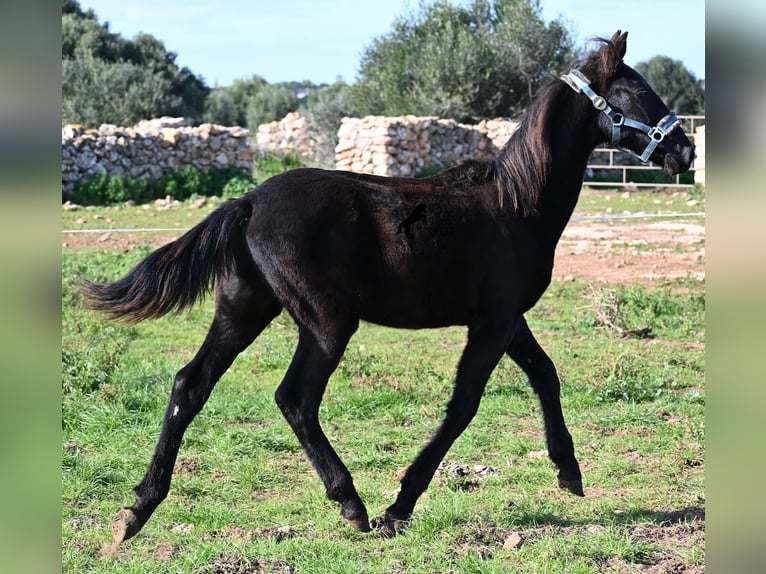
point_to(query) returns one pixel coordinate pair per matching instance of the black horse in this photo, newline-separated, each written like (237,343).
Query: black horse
(472,246)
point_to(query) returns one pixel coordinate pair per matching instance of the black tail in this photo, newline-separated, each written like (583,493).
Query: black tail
(178,274)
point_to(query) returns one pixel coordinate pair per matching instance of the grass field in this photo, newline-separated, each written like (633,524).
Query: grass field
(245,500)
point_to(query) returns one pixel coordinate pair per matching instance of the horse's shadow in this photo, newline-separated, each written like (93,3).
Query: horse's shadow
(663,518)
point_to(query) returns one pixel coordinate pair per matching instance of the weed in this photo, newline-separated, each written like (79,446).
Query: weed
(636,308)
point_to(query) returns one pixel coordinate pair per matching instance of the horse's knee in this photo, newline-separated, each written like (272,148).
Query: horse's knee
(180,382)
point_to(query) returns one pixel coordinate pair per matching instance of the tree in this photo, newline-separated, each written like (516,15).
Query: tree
(94,92)
(272,102)
(675,84)
(251,102)
(482,60)
(324,109)
(221,108)
(108,79)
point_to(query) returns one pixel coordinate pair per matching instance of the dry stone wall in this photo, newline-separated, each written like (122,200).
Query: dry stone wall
(288,135)
(405,145)
(394,146)
(149,149)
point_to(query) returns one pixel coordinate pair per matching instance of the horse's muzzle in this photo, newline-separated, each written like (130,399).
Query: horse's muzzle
(676,163)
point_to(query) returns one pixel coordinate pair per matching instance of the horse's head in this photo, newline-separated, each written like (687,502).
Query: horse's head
(633,116)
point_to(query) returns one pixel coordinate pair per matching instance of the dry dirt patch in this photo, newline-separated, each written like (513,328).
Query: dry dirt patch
(638,251)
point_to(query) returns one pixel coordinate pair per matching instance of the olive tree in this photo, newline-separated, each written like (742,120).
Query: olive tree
(484,59)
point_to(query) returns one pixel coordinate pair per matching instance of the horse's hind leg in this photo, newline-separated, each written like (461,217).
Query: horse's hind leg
(242,312)
(533,360)
(299,397)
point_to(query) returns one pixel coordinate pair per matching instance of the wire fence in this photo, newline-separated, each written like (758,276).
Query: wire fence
(605,217)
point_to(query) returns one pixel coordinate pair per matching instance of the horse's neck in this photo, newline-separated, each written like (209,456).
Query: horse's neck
(559,196)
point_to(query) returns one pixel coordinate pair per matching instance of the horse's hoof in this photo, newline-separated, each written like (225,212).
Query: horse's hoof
(389,526)
(572,485)
(355,514)
(125,525)
(360,524)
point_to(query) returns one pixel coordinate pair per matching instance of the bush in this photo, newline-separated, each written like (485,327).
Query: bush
(179,183)
(270,165)
(238,186)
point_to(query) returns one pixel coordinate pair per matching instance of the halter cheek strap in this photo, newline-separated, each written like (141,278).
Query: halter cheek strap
(580,84)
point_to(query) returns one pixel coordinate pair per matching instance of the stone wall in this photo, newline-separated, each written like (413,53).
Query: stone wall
(406,145)
(403,145)
(288,135)
(149,149)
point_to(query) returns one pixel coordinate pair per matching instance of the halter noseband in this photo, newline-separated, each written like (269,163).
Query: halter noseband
(580,84)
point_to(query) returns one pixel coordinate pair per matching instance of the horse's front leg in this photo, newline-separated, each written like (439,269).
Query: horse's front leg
(530,356)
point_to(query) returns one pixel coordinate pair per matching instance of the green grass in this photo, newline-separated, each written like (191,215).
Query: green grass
(635,408)
(148,215)
(615,201)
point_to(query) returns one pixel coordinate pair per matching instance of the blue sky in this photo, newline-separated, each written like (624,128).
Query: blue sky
(322,40)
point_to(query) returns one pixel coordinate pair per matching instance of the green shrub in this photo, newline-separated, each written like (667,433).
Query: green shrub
(237,186)
(271,165)
(180,183)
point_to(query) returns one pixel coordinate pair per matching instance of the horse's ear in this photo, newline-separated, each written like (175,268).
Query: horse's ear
(613,53)
(620,43)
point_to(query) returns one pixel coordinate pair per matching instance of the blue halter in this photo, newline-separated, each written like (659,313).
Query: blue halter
(580,84)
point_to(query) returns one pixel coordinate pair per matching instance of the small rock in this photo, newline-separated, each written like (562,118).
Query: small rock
(105,237)
(196,204)
(81,221)
(513,540)
(180,527)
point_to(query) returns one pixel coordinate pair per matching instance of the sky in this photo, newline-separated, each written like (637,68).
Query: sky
(323,40)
